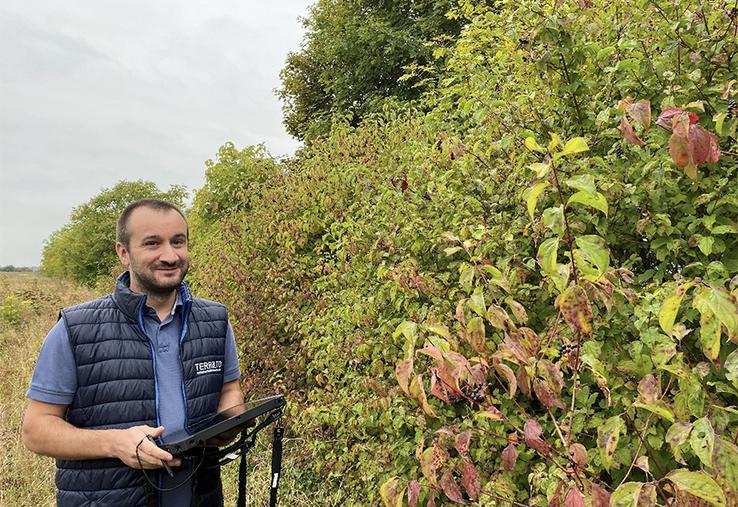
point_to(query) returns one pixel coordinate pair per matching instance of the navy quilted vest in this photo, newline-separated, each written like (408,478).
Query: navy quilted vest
(117,388)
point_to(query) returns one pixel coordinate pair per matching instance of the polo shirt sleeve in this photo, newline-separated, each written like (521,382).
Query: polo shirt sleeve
(55,376)
(231,368)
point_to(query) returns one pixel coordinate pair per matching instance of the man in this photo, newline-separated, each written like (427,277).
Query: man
(148,359)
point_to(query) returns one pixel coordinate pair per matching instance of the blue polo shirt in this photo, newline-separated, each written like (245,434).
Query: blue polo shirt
(55,379)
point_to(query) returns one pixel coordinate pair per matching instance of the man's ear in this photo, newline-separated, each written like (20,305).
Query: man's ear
(120,249)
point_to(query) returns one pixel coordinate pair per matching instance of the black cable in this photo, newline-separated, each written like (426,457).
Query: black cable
(157,488)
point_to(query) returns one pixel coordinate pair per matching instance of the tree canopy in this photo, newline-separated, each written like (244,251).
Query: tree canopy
(84,249)
(353,56)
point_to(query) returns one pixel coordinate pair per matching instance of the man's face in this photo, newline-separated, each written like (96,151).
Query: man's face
(157,255)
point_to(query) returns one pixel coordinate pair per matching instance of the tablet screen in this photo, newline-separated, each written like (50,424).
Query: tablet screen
(229,413)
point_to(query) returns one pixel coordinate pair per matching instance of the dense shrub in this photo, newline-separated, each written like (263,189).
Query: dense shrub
(548,275)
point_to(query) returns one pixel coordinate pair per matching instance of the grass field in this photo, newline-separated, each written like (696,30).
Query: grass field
(29,304)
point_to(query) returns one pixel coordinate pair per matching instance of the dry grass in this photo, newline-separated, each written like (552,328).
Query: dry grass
(29,304)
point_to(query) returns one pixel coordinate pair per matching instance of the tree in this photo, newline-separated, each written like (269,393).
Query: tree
(84,248)
(353,56)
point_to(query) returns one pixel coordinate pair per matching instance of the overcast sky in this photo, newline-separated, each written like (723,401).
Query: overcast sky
(94,92)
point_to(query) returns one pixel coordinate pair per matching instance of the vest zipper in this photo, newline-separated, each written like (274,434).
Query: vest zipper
(185,318)
(153,360)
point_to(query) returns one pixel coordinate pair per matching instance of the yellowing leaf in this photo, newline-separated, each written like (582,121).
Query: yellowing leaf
(532,144)
(626,495)
(388,492)
(475,334)
(583,182)
(403,371)
(697,484)
(608,436)
(596,201)
(574,145)
(657,407)
(576,309)
(670,307)
(532,194)
(417,391)
(540,169)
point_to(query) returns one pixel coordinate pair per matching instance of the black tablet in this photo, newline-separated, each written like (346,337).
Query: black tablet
(231,419)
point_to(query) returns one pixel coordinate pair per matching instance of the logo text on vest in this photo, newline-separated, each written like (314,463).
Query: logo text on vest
(209,367)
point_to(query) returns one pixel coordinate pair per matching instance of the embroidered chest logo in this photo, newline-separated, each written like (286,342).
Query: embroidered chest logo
(209,367)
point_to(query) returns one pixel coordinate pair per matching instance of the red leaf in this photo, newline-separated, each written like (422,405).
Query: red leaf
(413,492)
(470,480)
(509,457)
(450,488)
(574,498)
(523,381)
(462,442)
(532,435)
(600,497)
(626,130)
(544,394)
(436,388)
(509,375)
(703,145)
(665,118)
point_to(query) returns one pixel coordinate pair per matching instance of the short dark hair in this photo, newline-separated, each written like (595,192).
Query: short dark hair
(121,232)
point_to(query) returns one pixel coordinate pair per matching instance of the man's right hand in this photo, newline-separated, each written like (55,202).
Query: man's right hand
(149,454)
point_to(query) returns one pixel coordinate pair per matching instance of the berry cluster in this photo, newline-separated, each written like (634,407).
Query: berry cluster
(565,349)
(732,108)
(476,393)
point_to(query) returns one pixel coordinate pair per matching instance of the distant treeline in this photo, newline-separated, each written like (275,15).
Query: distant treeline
(11,269)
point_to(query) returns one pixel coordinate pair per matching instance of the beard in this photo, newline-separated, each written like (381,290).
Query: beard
(147,277)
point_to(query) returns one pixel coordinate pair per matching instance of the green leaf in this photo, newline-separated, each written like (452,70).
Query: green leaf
(702,440)
(731,367)
(677,436)
(725,461)
(593,249)
(719,119)
(626,495)
(697,484)
(553,218)
(466,275)
(705,244)
(574,145)
(596,201)
(608,436)
(657,407)
(409,330)
(477,305)
(532,194)
(583,182)
(440,330)
(547,255)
